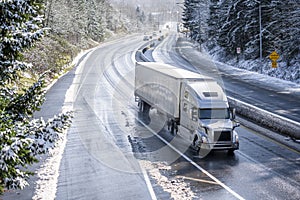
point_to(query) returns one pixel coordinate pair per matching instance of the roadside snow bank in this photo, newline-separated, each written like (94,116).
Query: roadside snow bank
(261,80)
(48,173)
(267,119)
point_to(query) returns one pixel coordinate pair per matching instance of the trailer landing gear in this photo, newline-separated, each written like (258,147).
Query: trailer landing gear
(144,109)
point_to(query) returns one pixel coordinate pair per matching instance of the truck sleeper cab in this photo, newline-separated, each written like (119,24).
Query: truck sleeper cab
(206,120)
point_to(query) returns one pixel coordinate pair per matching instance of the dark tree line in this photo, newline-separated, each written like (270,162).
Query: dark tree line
(235,23)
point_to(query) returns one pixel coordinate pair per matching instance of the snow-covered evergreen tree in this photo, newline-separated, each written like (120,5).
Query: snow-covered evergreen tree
(21,137)
(239,27)
(187,15)
(195,16)
(283,29)
(213,23)
(235,23)
(80,20)
(95,29)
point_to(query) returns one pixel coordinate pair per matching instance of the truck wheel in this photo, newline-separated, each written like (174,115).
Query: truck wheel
(144,107)
(169,123)
(174,127)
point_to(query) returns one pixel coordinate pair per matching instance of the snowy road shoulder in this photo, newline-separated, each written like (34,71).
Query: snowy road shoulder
(48,173)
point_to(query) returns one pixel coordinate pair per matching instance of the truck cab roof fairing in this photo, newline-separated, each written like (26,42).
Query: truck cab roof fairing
(209,95)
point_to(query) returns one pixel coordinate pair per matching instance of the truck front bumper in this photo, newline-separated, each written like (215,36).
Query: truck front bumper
(220,146)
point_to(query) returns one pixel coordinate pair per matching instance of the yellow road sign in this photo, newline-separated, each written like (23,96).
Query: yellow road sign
(274,56)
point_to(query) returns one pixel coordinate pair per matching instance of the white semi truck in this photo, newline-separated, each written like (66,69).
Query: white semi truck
(196,105)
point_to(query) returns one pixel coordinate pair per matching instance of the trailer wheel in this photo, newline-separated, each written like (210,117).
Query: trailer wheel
(140,105)
(172,128)
(169,124)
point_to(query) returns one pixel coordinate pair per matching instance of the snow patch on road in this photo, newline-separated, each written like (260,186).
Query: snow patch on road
(176,187)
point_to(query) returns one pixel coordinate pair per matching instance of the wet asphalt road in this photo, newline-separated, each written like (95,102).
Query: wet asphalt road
(261,169)
(112,150)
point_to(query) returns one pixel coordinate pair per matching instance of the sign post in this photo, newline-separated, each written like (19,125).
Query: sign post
(238,51)
(274,64)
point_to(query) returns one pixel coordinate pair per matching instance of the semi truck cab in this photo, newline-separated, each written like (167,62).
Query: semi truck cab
(206,120)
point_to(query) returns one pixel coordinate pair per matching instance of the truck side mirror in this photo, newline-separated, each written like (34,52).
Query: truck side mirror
(233,113)
(236,124)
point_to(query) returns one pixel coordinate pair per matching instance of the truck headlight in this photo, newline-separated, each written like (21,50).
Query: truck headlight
(204,139)
(236,138)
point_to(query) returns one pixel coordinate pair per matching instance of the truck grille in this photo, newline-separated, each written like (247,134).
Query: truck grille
(222,136)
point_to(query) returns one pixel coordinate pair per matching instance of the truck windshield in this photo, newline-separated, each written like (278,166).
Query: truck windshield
(216,113)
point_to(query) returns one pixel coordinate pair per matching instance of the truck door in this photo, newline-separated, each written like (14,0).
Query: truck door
(193,117)
(184,112)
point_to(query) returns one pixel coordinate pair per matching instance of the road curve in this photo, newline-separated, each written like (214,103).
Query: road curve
(113,152)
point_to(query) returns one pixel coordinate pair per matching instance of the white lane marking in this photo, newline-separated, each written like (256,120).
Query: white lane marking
(148,183)
(192,162)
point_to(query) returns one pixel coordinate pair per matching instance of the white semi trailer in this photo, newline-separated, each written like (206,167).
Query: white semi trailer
(196,105)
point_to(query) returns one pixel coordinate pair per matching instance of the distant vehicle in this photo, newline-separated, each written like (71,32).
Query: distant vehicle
(154,34)
(146,38)
(160,38)
(196,106)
